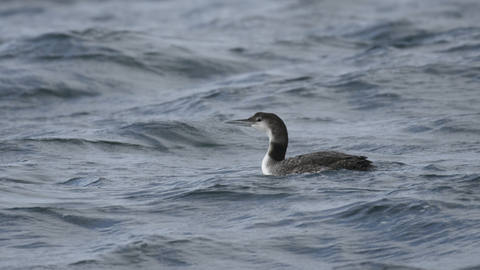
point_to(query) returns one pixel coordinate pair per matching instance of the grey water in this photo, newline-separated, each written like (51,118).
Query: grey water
(114,152)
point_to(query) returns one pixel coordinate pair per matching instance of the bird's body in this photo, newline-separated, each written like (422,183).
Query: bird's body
(274,162)
(316,162)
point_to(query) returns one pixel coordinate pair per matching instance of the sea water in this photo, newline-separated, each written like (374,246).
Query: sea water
(114,152)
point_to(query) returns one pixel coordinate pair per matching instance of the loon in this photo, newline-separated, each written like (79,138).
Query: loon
(274,162)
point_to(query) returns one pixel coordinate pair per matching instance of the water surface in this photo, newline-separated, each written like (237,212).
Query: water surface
(115,154)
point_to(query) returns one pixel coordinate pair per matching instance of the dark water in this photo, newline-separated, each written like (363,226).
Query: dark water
(114,153)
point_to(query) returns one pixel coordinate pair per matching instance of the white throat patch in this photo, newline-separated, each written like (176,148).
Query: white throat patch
(265,160)
(262,127)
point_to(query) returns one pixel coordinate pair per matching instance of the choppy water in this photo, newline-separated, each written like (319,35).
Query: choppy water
(114,153)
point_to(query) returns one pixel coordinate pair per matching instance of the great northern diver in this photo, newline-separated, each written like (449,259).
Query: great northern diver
(274,162)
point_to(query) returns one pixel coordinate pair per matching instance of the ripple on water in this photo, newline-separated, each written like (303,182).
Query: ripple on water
(114,152)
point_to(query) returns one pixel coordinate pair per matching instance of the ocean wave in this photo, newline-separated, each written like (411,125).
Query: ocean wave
(159,249)
(381,211)
(197,105)
(89,221)
(229,193)
(15,180)
(115,154)
(168,135)
(63,45)
(370,265)
(161,56)
(83,181)
(20,84)
(403,34)
(29,11)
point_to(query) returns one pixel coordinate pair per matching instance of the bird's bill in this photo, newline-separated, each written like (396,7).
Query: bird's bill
(240,122)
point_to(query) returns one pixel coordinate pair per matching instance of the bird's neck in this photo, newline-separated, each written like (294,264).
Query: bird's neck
(276,153)
(277,150)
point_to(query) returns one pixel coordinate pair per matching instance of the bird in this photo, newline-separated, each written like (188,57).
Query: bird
(275,163)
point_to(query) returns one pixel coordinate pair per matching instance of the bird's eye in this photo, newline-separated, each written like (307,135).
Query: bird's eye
(259,119)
